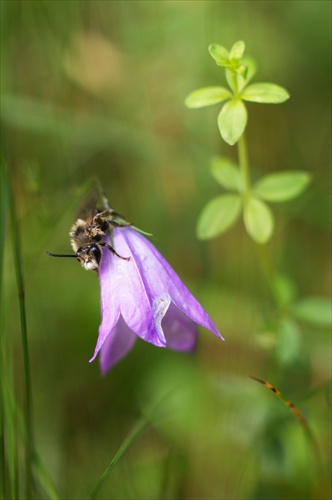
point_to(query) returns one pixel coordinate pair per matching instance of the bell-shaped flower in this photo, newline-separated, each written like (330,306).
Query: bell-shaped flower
(143,297)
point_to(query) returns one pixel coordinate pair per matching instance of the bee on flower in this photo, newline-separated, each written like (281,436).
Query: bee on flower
(141,294)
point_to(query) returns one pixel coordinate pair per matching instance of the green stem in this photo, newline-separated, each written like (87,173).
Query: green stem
(244,165)
(29,452)
(265,259)
(268,269)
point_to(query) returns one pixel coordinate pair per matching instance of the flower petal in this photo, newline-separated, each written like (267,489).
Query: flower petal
(180,331)
(144,296)
(160,278)
(110,310)
(124,291)
(118,343)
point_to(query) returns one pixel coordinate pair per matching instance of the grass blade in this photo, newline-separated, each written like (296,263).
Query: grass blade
(141,426)
(3,219)
(29,445)
(296,412)
(45,479)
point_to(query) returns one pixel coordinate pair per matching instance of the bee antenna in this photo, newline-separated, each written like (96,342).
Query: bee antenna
(60,255)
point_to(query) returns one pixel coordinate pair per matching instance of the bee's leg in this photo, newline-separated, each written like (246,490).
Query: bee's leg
(113,218)
(107,245)
(119,221)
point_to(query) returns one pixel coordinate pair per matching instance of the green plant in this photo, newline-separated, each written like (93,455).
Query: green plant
(251,199)
(222,212)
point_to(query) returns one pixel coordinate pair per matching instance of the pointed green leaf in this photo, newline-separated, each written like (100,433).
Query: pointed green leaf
(265,93)
(218,216)
(281,186)
(232,121)
(237,51)
(314,310)
(226,173)
(219,54)
(207,96)
(251,67)
(258,220)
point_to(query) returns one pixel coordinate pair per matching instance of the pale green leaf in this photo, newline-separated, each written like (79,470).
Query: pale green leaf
(251,67)
(237,51)
(207,96)
(265,93)
(314,310)
(258,220)
(231,79)
(219,54)
(232,121)
(218,216)
(281,186)
(226,173)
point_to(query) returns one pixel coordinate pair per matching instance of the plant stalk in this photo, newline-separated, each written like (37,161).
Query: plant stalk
(264,256)
(244,165)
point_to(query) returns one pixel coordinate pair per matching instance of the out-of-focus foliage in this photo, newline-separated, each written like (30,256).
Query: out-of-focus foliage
(97,88)
(232,119)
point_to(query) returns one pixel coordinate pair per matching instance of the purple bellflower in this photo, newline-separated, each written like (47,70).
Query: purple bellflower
(143,297)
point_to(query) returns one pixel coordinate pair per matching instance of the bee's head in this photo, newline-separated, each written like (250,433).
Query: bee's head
(89,256)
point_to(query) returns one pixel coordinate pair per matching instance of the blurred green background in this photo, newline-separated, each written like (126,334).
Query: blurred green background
(98,88)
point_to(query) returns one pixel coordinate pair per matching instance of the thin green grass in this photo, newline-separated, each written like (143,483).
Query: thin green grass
(18,264)
(141,426)
(13,423)
(3,217)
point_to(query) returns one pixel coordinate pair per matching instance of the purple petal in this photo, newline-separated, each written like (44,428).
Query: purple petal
(144,296)
(159,277)
(110,310)
(118,343)
(180,331)
(123,292)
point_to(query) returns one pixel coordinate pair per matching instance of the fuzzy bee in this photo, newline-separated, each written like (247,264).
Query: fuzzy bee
(87,235)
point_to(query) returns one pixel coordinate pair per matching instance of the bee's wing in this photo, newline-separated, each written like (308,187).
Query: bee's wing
(88,208)
(115,219)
